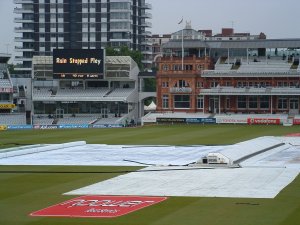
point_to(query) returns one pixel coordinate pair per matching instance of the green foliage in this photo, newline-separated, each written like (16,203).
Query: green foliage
(11,68)
(150,84)
(125,51)
(148,101)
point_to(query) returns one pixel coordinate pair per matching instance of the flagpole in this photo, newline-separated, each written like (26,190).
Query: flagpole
(182,49)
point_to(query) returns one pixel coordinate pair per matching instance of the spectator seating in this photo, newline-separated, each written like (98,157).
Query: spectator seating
(77,119)
(5,83)
(12,119)
(120,92)
(42,92)
(42,120)
(80,92)
(111,119)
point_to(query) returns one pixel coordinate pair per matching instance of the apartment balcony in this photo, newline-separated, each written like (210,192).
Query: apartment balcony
(21,20)
(24,49)
(23,1)
(22,10)
(147,33)
(147,15)
(21,39)
(146,24)
(120,10)
(120,40)
(21,58)
(146,6)
(20,67)
(24,30)
(147,52)
(147,61)
(23,69)
(120,20)
(146,42)
(120,30)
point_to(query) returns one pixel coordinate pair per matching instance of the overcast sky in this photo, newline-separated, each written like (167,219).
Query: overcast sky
(276,18)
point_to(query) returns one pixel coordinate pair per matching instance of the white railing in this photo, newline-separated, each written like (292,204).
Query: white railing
(180,90)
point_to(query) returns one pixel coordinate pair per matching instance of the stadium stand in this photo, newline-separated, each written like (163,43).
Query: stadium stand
(110,99)
(42,93)
(78,119)
(124,92)
(12,119)
(42,120)
(5,83)
(80,92)
(109,120)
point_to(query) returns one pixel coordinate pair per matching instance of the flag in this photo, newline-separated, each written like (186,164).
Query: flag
(180,21)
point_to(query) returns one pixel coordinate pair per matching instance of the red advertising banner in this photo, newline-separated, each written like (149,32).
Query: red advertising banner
(98,206)
(263,121)
(293,135)
(296,122)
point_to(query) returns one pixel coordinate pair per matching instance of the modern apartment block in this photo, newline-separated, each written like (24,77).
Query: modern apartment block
(44,25)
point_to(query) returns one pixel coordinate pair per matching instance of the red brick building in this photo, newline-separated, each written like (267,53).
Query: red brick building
(179,89)
(239,76)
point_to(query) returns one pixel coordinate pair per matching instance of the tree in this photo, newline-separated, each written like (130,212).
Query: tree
(148,101)
(150,84)
(11,68)
(125,51)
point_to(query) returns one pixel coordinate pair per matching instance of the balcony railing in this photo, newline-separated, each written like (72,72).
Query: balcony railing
(21,58)
(147,15)
(23,1)
(180,90)
(24,49)
(146,6)
(146,24)
(147,52)
(146,42)
(21,39)
(23,20)
(23,29)
(23,10)
(147,33)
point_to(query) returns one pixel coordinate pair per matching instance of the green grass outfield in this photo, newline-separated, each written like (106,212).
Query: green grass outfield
(173,135)
(22,193)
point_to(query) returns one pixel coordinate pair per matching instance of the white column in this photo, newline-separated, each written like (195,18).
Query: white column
(219,104)
(271,104)
(228,55)
(141,83)
(203,104)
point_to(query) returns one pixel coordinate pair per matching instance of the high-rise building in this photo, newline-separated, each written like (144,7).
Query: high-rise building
(44,25)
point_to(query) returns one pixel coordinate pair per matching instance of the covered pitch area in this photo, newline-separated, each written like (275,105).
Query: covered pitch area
(28,188)
(265,166)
